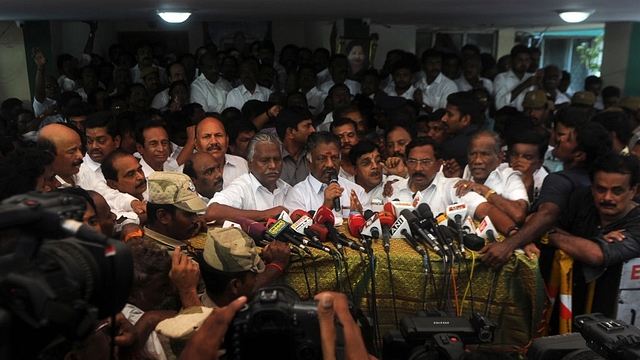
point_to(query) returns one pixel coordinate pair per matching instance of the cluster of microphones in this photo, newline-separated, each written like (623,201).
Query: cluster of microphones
(448,234)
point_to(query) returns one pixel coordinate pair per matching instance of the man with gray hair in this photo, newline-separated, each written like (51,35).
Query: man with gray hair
(259,194)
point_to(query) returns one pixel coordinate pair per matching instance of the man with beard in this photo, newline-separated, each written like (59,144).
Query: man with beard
(435,86)
(211,137)
(461,118)
(538,108)
(398,135)
(339,69)
(426,178)
(401,75)
(123,173)
(138,98)
(90,82)
(339,96)
(470,79)
(144,58)
(206,174)
(249,90)
(102,139)
(346,130)
(293,126)
(259,194)
(511,86)
(173,209)
(205,89)
(151,81)
(323,160)
(65,144)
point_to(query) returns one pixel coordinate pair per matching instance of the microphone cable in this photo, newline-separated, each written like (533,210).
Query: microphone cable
(337,265)
(393,291)
(469,288)
(374,299)
(306,276)
(425,259)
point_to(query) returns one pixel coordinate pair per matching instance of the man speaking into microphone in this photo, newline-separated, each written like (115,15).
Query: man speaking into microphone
(322,186)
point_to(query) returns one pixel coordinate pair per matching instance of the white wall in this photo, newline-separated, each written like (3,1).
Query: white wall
(617,37)
(393,37)
(14,82)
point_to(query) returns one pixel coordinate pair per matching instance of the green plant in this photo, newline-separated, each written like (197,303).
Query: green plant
(591,53)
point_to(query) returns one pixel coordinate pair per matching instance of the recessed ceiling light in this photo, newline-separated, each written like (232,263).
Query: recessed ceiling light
(174,17)
(575,16)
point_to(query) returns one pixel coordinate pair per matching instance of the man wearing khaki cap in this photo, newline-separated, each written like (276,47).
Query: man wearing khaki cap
(231,266)
(537,107)
(584,101)
(172,209)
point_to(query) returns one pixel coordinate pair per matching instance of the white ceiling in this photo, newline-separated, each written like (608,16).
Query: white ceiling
(444,14)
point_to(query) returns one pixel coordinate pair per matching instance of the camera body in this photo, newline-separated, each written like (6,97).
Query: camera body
(276,319)
(611,339)
(435,335)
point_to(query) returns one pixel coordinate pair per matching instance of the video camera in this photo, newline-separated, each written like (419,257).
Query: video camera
(276,319)
(57,275)
(434,335)
(611,339)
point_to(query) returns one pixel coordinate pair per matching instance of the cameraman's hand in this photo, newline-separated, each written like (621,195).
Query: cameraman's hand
(331,304)
(206,342)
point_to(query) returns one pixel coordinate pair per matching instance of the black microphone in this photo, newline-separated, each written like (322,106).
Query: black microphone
(448,236)
(258,232)
(278,231)
(492,237)
(333,178)
(416,229)
(413,242)
(425,211)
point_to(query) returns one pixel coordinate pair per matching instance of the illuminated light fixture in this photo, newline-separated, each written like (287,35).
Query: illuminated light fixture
(575,16)
(174,17)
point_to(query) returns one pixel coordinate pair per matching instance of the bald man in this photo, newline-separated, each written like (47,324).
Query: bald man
(211,137)
(65,144)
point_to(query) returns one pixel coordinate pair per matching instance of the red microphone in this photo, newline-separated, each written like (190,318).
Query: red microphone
(320,231)
(253,228)
(386,221)
(388,207)
(355,223)
(297,214)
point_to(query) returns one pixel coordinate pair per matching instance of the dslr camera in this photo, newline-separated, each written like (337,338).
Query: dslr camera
(276,319)
(434,335)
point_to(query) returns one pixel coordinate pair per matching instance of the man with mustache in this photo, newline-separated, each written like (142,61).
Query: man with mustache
(64,143)
(206,89)
(144,58)
(511,86)
(435,86)
(426,178)
(259,194)
(601,230)
(173,209)
(323,160)
(211,137)
(367,161)
(249,90)
(205,172)
(152,143)
(123,173)
(346,130)
(102,138)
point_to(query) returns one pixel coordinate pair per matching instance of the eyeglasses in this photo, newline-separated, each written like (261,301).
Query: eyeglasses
(415,162)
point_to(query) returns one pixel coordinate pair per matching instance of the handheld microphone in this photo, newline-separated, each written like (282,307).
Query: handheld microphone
(447,237)
(372,226)
(355,223)
(457,212)
(333,178)
(414,223)
(386,220)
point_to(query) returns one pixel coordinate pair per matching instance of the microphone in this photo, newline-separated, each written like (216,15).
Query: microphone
(457,212)
(413,242)
(300,227)
(486,230)
(297,214)
(277,231)
(355,223)
(372,226)
(325,216)
(425,212)
(386,220)
(258,232)
(333,178)
(414,223)
(447,238)
(318,233)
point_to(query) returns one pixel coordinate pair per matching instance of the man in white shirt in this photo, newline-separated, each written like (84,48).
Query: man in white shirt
(152,143)
(367,161)
(511,86)
(402,77)
(470,79)
(320,62)
(339,69)
(211,137)
(426,177)
(65,144)
(204,89)
(346,130)
(206,174)
(249,90)
(550,81)
(323,160)
(177,72)
(495,181)
(434,87)
(123,173)
(144,58)
(259,194)
(526,154)
(315,97)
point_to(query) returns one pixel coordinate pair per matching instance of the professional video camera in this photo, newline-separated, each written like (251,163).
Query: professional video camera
(57,275)
(434,335)
(611,339)
(276,319)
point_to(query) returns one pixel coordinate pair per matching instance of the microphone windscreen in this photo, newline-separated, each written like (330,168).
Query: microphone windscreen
(368,214)
(425,211)
(320,231)
(324,215)
(386,218)
(388,207)
(297,214)
(408,215)
(355,223)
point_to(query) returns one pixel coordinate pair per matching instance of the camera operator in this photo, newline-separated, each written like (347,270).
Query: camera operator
(209,338)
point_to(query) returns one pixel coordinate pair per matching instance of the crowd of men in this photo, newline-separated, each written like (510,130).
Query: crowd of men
(163,153)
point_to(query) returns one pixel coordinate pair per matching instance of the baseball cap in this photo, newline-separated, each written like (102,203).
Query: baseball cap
(231,250)
(147,71)
(177,189)
(586,98)
(631,103)
(534,99)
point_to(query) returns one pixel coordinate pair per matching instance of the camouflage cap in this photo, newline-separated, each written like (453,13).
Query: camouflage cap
(534,99)
(173,188)
(586,98)
(147,71)
(231,250)
(631,103)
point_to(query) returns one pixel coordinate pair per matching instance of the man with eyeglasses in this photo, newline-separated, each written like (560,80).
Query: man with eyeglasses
(425,177)
(323,161)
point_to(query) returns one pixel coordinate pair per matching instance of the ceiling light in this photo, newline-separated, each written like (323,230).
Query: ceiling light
(575,16)
(174,17)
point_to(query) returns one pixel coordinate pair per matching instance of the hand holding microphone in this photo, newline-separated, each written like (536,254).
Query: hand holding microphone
(332,193)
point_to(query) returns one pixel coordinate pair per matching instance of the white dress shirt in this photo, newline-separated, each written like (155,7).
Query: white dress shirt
(439,194)
(209,95)
(39,108)
(503,84)
(247,193)
(505,181)
(315,100)
(354,86)
(234,167)
(435,94)
(391,91)
(323,76)
(240,95)
(161,99)
(463,84)
(309,195)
